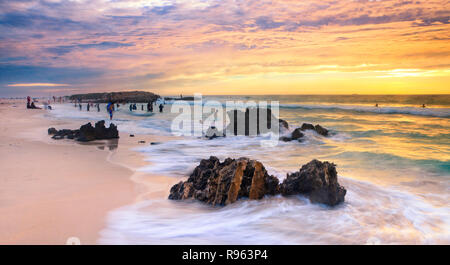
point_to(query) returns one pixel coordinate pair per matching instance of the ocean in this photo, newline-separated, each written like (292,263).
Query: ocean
(394,161)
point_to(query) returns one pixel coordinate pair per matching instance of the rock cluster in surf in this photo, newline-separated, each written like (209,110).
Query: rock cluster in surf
(298,135)
(223,183)
(87,132)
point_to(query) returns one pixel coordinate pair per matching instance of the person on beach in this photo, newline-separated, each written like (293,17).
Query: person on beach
(87,107)
(79,105)
(131,107)
(98,107)
(32,106)
(110,109)
(161,107)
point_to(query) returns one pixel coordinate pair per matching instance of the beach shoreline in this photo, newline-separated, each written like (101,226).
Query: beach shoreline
(53,190)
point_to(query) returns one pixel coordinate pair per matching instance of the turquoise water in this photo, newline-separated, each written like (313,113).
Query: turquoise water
(393,159)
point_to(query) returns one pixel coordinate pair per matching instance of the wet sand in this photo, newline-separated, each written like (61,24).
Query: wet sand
(52,190)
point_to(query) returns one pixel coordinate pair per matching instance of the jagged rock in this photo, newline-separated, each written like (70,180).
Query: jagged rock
(87,132)
(248,122)
(52,131)
(223,183)
(318,181)
(218,183)
(319,129)
(307,126)
(297,134)
(284,125)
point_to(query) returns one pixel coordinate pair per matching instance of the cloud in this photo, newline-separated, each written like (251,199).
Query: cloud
(10,74)
(105,45)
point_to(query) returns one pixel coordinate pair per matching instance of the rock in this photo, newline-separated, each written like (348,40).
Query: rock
(87,132)
(223,183)
(316,180)
(213,132)
(283,124)
(131,135)
(307,126)
(141,142)
(248,122)
(154,143)
(285,138)
(123,97)
(297,134)
(320,130)
(52,131)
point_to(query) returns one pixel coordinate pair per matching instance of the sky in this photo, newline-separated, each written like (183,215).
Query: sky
(63,47)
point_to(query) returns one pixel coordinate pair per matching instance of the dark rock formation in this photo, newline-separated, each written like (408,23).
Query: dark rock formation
(223,183)
(119,97)
(307,126)
(218,183)
(248,122)
(213,132)
(87,132)
(295,135)
(318,181)
(52,131)
(319,129)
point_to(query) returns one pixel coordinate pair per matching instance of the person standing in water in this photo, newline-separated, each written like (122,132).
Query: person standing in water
(98,107)
(161,107)
(88,107)
(110,109)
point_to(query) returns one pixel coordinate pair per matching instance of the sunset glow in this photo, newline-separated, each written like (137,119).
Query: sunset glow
(226,47)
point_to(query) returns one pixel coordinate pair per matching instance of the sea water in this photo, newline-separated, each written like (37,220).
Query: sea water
(394,161)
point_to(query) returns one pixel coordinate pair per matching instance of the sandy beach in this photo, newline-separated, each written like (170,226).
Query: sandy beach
(52,190)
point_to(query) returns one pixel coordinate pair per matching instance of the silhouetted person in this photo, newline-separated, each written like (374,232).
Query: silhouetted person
(423,106)
(376,105)
(79,105)
(98,107)
(131,107)
(87,107)
(161,107)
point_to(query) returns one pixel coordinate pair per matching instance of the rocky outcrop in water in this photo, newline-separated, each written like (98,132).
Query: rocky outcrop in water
(119,97)
(248,123)
(219,183)
(316,180)
(223,183)
(319,129)
(87,132)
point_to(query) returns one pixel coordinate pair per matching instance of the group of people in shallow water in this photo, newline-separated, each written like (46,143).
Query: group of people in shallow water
(111,107)
(149,107)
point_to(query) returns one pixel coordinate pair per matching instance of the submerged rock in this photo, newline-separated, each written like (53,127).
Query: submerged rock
(87,132)
(223,183)
(318,181)
(218,183)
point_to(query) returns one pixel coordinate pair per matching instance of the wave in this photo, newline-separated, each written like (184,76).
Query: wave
(370,215)
(432,112)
